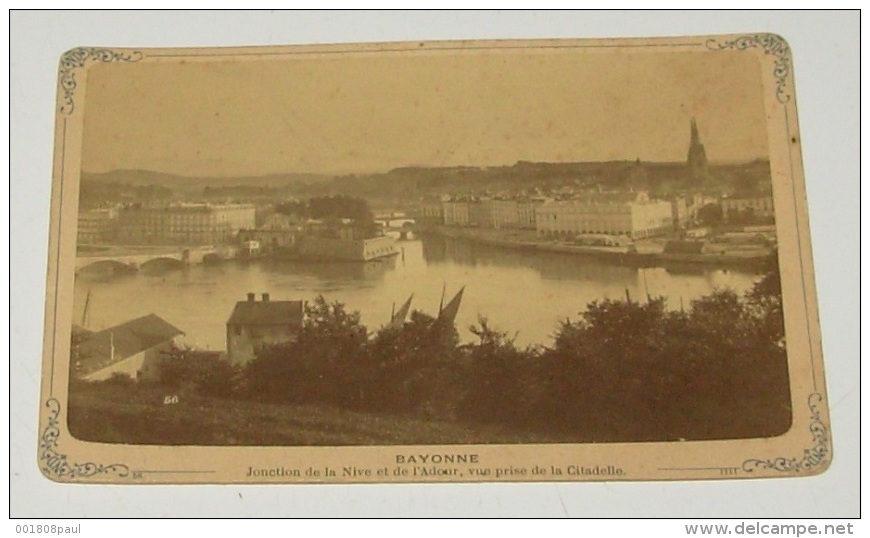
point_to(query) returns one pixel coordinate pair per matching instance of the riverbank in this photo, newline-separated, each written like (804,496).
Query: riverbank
(645,253)
(199,298)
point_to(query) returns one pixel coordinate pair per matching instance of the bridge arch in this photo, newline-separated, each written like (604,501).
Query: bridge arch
(107,267)
(160,264)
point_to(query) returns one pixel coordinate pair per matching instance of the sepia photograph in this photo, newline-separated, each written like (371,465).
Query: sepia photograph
(468,256)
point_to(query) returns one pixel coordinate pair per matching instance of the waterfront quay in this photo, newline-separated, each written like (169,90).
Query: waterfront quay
(653,252)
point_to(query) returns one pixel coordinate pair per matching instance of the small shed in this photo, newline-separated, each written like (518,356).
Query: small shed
(135,348)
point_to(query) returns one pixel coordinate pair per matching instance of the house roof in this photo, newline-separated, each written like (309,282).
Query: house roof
(109,346)
(276,221)
(607,197)
(266,313)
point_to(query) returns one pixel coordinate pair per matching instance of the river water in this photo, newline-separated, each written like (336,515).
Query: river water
(527,293)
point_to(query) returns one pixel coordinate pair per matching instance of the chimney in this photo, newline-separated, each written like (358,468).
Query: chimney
(265,297)
(252,297)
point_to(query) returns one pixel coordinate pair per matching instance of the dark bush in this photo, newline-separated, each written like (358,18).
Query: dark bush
(204,372)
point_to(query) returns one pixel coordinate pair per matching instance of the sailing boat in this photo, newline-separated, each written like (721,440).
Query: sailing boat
(447,314)
(397,319)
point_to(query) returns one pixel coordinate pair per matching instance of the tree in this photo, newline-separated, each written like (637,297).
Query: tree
(201,371)
(334,209)
(606,369)
(417,368)
(291,208)
(636,371)
(344,207)
(501,383)
(765,302)
(325,320)
(770,361)
(326,364)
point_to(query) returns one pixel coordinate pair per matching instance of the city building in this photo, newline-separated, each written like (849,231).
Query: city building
(758,207)
(457,213)
(255,323)
(504,213)
(518,212)
(135,348)
(526,211)
(184,224)
(97,226)
(431,213)
(480,213)
(276,234)
(320,248)
(680,211)
(615,213)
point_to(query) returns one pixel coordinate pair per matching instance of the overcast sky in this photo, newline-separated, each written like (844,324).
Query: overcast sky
(364,113)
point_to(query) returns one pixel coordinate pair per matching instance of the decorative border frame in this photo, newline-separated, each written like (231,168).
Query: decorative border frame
(78,58)
(56,464)
(813,457)
(771,44)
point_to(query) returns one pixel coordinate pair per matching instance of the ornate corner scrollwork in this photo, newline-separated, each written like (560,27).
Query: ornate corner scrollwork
(79,57)
(813,457)
(55,463)
(771,44)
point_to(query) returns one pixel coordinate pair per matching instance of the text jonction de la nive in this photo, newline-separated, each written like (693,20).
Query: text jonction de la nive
(427,466)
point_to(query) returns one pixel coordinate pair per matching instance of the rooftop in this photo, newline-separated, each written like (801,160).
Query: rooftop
(266,312)
(109,346)
(277,221)
(190,207)
(604,198)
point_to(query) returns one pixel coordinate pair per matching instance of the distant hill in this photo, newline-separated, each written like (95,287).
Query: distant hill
(186,183)
(120,186)
(413,183)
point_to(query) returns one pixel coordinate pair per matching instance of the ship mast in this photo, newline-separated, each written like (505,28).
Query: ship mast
(85,311)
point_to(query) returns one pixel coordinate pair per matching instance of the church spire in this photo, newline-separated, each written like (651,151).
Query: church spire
(697,158)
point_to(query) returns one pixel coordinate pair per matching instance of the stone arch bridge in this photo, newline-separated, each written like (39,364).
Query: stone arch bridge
(401,225)
(118,258)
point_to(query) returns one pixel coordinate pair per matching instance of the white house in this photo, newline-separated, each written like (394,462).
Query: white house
(255,323)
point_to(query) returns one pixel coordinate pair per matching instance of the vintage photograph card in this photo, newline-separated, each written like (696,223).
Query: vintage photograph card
(565,260)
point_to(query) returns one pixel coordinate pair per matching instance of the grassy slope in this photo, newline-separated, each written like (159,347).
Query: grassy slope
(138,415)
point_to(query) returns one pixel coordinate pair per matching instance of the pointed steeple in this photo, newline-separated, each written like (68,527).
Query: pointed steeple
(697,158)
